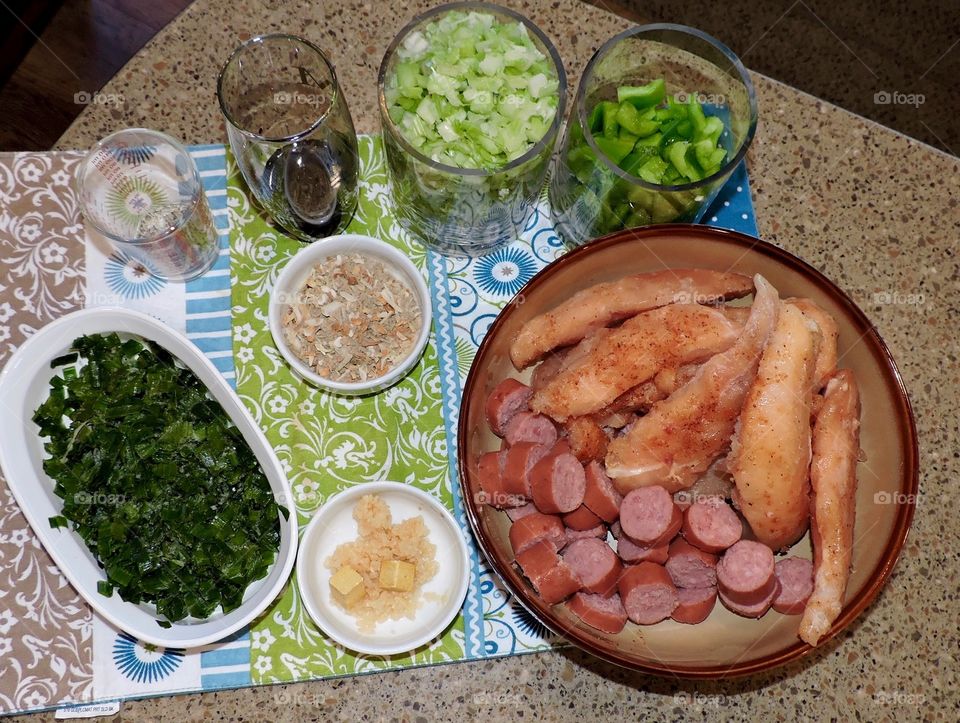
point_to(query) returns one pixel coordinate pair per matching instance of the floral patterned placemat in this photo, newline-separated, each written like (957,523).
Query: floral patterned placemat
(54,650)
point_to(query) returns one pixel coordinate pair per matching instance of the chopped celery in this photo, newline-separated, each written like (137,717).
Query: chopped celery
(472,90)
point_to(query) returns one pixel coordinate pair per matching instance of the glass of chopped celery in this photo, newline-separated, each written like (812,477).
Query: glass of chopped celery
(471,99)
(663,115)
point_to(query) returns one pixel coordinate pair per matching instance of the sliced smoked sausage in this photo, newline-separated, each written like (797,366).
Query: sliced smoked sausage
(519,459)
(490,477)
(594,563)
(557,483)
(649,517)
(581,519)
(745,574)
(690,566)
(795,575)
(600,495)
(695,604)
(648,593)
(754,610)
(603,613)
(507,399)
(530,427)
(629,551)
(533,528)
(711,524)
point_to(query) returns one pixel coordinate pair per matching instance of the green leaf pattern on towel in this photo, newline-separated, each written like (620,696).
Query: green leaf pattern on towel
(327,443)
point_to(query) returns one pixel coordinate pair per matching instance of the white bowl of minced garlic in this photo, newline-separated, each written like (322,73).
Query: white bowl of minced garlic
(383,568)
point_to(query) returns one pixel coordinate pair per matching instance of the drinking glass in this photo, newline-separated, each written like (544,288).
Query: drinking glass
(142,191)
(589,194)
(291,133)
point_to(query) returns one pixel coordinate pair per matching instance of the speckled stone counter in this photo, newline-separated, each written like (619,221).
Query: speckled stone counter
(875,211)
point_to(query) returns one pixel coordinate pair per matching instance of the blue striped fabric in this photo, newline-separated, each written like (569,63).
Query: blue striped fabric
(208,308)
(226,664)
(208,297)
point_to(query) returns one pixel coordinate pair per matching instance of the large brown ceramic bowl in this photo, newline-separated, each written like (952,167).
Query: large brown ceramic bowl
(724,645)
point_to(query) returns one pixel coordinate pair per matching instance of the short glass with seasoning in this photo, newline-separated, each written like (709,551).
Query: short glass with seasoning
(291,133)
(141,192)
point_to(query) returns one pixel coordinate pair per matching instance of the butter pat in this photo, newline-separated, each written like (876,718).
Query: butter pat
(397,575)
(347,586)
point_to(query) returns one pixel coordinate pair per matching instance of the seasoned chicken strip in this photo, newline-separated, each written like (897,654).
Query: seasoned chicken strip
(827,355)
(606,303)
(770,452)
(836,447)
(633,353)
(682,435)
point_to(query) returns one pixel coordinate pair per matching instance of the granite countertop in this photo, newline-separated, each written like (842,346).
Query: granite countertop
(875,211)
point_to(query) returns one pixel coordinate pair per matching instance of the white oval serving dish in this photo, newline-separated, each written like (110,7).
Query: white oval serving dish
(24,385)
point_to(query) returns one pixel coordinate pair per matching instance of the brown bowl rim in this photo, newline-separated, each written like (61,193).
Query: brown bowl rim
(911,473)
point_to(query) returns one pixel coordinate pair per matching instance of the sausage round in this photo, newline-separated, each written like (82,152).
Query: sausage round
(745,574)
(537,560)
(518,460)
(558,584)
(603,613)
(594,563)
(581,519)
(530,427)
(533,528)
(507,399)
(630,551)
(598,531)
(711,524)
(516,513)
(795,576)
(490,478)
(649,516)
(557,483)
(648,593)
(600,495)
(695,604)
(755,610)
(691,567)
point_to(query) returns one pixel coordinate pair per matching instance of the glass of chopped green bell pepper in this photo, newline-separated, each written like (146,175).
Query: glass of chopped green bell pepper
(663,115)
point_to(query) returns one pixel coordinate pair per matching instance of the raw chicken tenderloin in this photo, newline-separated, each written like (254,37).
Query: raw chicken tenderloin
(829,333)
(667,337)
(603,304)
(836,446)
(770,453)
(682,435)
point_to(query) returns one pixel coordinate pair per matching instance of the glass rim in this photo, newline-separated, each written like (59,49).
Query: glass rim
(389,126)
(83,169)
(293,137)
(735,63)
